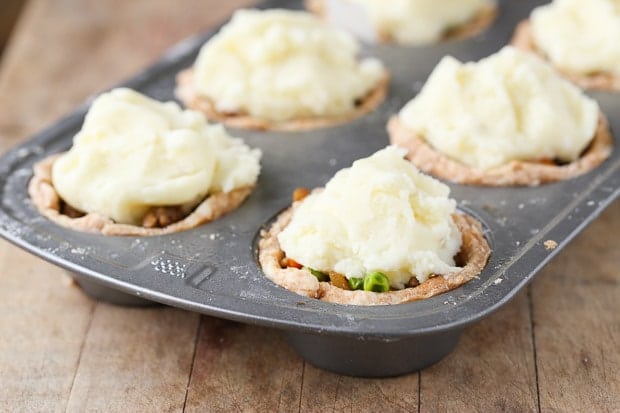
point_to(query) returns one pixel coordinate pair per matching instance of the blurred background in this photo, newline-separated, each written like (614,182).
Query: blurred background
(9,12)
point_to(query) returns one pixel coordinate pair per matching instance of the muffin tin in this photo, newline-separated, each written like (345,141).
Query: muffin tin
(213,269)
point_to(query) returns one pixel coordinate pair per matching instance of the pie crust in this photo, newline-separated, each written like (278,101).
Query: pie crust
(524,40)
(48,202)
(476,25)
(186,92)
(514,173)
(474,254)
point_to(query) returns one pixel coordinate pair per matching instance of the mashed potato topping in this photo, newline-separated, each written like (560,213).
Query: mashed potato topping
(134,152)
(406,21)
(579,36)
(281,65)
(508,106)
(380,214)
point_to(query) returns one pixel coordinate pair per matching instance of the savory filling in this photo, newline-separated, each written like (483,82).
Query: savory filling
(155,217)
(375,281)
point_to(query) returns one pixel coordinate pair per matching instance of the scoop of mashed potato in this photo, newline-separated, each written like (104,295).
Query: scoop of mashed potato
(412,22)
(508,106)
(381,214)
(134,153)
(579,36)
(281,65)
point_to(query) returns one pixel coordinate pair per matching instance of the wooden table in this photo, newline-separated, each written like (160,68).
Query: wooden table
(553,348)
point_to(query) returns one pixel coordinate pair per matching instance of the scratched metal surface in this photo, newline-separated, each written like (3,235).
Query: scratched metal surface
(212,269)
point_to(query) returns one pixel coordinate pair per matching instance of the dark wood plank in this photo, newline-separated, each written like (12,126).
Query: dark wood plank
(576,307)
(8,17)
(492,369)
(243,368)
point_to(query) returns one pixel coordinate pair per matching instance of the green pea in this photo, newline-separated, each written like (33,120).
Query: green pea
(377,282)
(356,283)
(321,276)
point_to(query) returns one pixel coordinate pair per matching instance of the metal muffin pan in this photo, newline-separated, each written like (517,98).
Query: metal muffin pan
(213,269)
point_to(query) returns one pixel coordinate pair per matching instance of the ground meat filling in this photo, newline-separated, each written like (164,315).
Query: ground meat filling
(156,217)
(68,210)
(160,217)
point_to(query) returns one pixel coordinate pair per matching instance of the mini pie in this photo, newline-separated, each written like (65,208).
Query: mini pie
(141,167)
(508,119)
(579,38)
(379,215)
(408,22)
(282,70)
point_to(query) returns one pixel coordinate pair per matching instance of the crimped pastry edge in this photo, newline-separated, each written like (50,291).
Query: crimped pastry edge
(514,173)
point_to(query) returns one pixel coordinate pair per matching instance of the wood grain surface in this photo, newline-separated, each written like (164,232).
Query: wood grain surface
(553,348)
